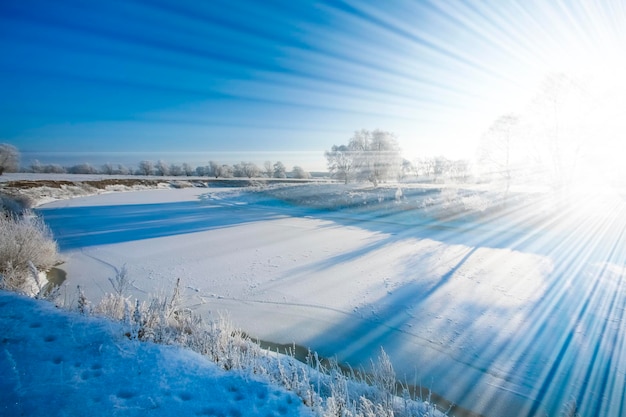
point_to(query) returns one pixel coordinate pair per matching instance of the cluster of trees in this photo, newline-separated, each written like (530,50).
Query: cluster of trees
(10,162)
(375,156)
(244,169)
(369,156)
(161,168)
(437,168)
(547,142)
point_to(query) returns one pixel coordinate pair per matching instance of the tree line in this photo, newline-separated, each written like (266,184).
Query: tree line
(10,162)
(372,156)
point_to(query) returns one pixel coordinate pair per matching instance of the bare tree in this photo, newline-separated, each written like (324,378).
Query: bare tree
(9,158)
(268,169)
(238,171)
(459,170)
(429,166)
(406,169)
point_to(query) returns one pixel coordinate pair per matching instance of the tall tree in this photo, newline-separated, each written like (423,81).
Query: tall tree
(383,161)
(340,160)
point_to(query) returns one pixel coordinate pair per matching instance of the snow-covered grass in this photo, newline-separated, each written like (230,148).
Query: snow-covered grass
(57,363)
(322,386)
(157,359)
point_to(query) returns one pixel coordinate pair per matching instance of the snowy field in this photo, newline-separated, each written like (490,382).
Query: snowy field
(509,315)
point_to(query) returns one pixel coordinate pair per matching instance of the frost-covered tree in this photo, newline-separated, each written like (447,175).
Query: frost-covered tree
(268,169)
(54,169)
(226,171)
(300,173)
(9,158)
(369,156)
(214,169)
(382,157)
(122,170)
(188,169)
(250,169)
(441,167)
(107,169)
(36,166)
(176,170)
(145,168)
(161,168)
(201,171)
(84,168)
(280,171)
(340,160)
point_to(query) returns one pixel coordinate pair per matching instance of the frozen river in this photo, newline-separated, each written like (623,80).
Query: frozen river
(503,321)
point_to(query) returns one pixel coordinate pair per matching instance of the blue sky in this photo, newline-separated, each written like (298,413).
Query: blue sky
(249,78)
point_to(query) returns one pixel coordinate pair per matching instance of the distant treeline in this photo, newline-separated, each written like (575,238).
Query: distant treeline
(161,168)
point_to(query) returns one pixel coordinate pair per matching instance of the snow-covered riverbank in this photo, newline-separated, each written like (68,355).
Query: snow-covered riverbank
(511,318)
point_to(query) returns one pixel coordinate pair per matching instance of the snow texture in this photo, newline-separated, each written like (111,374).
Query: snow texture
(55,363)
(516,314)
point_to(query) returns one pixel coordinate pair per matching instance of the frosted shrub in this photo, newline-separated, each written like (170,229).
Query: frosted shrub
(115,305)
(384,379)
(26,245)
(84,306)
(323,386)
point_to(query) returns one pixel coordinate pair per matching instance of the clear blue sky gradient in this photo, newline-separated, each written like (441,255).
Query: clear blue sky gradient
(281,76)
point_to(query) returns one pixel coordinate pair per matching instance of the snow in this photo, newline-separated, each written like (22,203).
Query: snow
(514,315)
(54,363)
